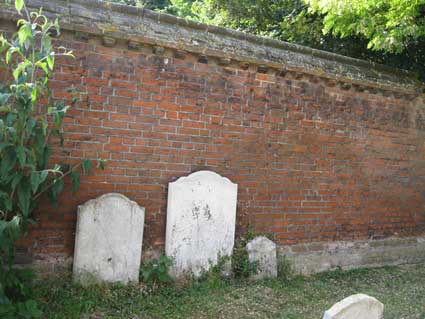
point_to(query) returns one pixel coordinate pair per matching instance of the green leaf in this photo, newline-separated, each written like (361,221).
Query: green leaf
(45,156)
(43,66)
(87,166)
(57,119)
(34,95)
(56,189)
(5,202)
(3,145)
(3,224)
(100,164)
(35,181)
(28,309)
(51,61)
(51,109)
(75,179)
(17,73)
(8,161)
(24,197)
(14,226)
(19,4)
(43,176)
(8,204)
(25,34)
(4,97)
(20,153)
(31,123)
(21,69)
(16,179)
(46,42)
(8,56)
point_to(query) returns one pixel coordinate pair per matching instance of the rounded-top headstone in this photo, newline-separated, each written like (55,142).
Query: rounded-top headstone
(108,243)
(201,217)
(262,251)
(359,306)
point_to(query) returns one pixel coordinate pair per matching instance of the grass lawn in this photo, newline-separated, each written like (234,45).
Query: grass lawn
(401,289)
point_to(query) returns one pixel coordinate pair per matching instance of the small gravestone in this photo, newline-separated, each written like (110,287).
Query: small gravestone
(108,243)
(201,216)
(358,306)
(262,251)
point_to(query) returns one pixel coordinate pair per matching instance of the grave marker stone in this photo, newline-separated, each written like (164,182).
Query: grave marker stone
(201,216)
(108,244)
(262,251)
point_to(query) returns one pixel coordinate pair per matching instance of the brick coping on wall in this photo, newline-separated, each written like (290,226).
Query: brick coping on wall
(137,26)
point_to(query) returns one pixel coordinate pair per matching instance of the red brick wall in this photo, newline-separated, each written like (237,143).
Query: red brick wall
(315,159)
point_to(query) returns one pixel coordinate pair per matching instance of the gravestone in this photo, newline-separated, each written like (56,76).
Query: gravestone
(358,306)
(108,244)
(262,251)
(201,216)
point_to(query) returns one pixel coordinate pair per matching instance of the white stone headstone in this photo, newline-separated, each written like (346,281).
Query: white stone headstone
(108,243)
(358,306)
(201,217)
(262,251)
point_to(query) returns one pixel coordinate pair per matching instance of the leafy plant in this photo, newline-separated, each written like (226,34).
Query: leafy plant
(241,265)
(154,272)
(30,120)
(218,275)
(388,25)
(284,269)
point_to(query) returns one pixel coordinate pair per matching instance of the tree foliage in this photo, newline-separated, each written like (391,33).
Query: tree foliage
(30,120)
(388,25)
(287,20)
(395,27)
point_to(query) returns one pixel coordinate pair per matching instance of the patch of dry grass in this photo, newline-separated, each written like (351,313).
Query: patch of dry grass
(401,289)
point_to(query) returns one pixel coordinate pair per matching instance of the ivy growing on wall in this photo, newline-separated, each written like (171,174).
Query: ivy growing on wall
(30,121)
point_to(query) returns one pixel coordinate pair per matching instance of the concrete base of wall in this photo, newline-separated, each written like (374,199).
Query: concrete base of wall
(50,265)
(312,258)
(317,257)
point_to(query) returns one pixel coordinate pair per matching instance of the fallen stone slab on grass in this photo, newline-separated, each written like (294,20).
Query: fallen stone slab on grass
(359,306)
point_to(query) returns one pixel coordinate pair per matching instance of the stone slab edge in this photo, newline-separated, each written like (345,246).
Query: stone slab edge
(317,257)
(146,26)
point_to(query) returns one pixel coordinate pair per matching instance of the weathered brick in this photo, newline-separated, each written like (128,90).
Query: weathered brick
(314,160)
